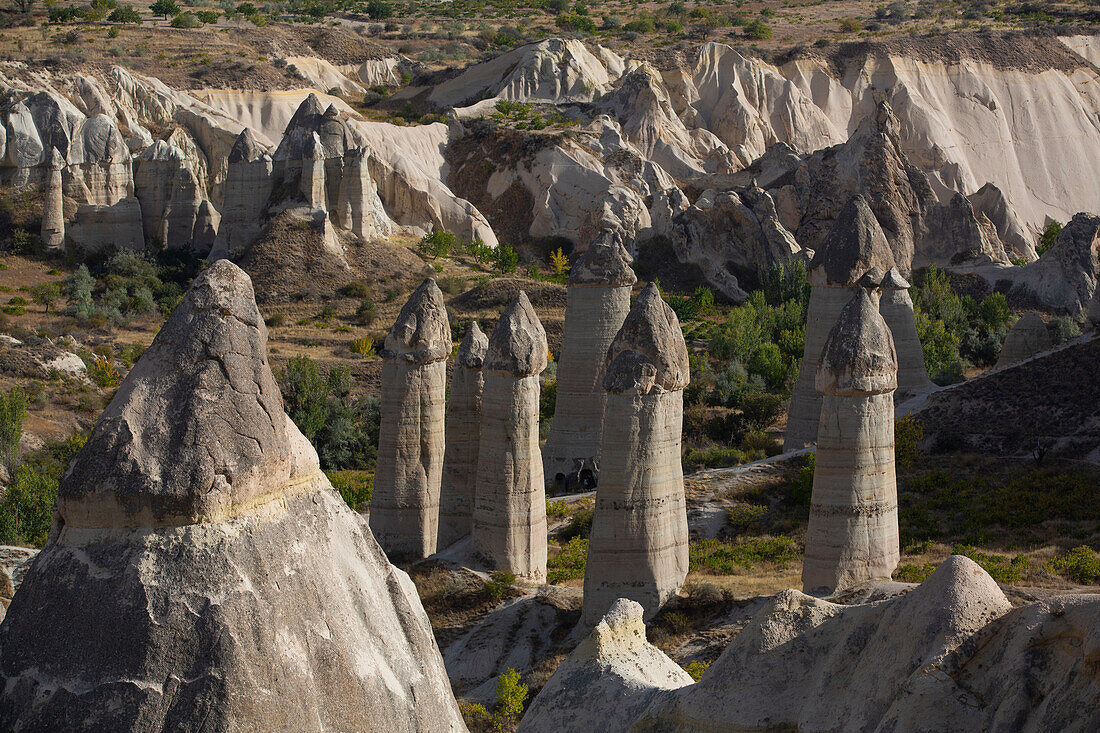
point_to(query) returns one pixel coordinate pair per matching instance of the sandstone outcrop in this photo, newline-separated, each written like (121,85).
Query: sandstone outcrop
(201,572)
(509,516)
(855,245)
(638,547)
(1027,337)
(897,310)
(463,433)
(404,512)
(614,665)
(53,206)
(950,654)
(1065,276)
(852,536)
(598,301)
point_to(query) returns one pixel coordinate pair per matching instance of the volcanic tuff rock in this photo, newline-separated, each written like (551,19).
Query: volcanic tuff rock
(638,547)
(1065,276)
(202,572)
(852,536)
(509,516)
(951,654)
(615,665)
(463,434)
(598,301)
(404,513)
(1027,337)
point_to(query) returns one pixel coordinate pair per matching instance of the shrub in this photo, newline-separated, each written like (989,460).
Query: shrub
(186,20)
(910,573)
(365,313)
(26,510)
(305,395)
(1046,239)
(575,22)
(505,259)
(437,243)
(355,487)
(696,669)
(908,434)
(1000,568)
(275,320)
(758,30)
(356,289)
(559,262)
(364,347)
(716,556)
(164,8)
(499,582)
(103,372)
(208,16)
(45,294)
(851,25)
(378,9)
(741,516)
(569,563)
(511,695)
(761,409)
(124,14)
(1080,565)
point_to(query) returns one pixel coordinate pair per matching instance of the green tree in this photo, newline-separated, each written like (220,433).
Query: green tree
(78,288)
(305,395)
(26,510)
(511,694)
(45,294)
(1046,239)
(124,14)
(505,259)
(164,8)
(13,409)
(758,30)
(378,9)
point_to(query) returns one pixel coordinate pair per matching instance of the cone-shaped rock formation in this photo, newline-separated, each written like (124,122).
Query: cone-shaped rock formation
(456,498)
(855,245)
(201,572)
(853,530)
(509,517)
(638,548)
(404,512)
(598,301)
(53,206)
(897,310)
(1027,338)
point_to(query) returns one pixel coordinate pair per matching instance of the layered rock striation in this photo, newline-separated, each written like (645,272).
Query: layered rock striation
(598,301)
(896,308)
(463,432)
(404,512)
(202,573)
(509,515)
(638,547)
(852,536)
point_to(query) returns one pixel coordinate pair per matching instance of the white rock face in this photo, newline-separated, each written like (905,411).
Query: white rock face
(615,666)
(854,246)
(509,517)
(598,301)
(170,195)
(852,536)
(53,207)
(1027,337)
(196,532)
(896,308)
(638,547)
(463,431)
(404,512)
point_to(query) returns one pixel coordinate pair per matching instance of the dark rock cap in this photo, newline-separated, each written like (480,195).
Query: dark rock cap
(854,245)
(308,115)
(197,430)
(422,333)
(246,148)
(859,355)
(605,263)
(517,345)
(894,280)
(471,352)
(649,353)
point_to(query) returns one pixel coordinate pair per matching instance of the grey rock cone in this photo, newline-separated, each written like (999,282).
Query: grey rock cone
(852,534)
(202,574)
(638,547)
(509,517)
(404,511)
(897,310)
(53,205)
(598,301)
(1027,338)
(855,245)
(456,498)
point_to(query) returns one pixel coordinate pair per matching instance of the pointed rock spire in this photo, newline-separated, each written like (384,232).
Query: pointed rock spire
(203,394)
(649,352)
(472,350)
(859,356)
(245,148)
(517,345)
(894,280)
(605,263)
(308,115)
(421,333)
(854,245)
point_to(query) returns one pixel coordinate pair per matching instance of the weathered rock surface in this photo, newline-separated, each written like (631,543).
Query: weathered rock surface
(1065,276)
(896,308)
(598,301)
(1027,337)
(463,434)
(615,665)
(855,245)
(201,571)
(404,513)
(853,536)
(638,547)
(509,516)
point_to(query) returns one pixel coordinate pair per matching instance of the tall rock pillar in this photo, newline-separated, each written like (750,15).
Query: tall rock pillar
(598,301)
(853,531)
(638,548)
(855,244)
(53,208)
(404,511)
(896,308)
(509,518)
(456,498)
